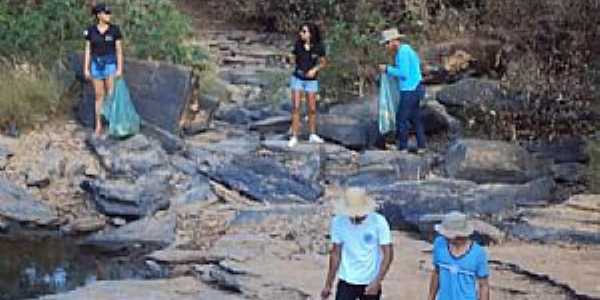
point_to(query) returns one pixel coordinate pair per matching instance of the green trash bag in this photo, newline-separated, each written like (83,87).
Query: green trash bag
(119,112)
(388,103)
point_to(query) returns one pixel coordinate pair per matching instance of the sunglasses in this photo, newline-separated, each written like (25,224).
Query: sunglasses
(357,220)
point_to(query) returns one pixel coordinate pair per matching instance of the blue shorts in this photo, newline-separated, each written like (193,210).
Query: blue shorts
(309,86)
(101,74)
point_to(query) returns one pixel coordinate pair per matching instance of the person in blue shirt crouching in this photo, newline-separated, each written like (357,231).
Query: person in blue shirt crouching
(407,68)
(460,265)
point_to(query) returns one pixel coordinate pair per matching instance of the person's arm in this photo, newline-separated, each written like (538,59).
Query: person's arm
(388,257)
(434,284)
(334,264)
(86,61)
(484,288)
(400,69)
(119,48)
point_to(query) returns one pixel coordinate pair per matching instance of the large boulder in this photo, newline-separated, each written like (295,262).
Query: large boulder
(121,197)
(156,231)
(135,156)
(266,181)
(472,92)
(352,132)
(484,161)
(313,161)
(160,91)
(380,168)
(18,205)
(405,202)
(570,149)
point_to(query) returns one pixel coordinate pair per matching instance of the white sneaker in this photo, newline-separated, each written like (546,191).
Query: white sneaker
(313,138)
(293,142)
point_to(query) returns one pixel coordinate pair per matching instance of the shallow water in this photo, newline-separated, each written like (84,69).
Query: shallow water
(30,267)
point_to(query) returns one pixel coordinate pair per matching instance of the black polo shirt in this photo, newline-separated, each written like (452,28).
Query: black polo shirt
(306,59)
(103,43)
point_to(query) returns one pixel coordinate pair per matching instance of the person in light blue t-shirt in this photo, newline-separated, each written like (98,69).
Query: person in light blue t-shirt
(407,69)
(461,265)
(362,249)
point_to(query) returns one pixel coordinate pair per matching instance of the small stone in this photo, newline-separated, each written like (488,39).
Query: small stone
(38,178)
(92,170)
(119,221)
(154,266)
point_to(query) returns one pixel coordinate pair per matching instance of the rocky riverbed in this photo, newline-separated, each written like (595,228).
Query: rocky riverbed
(233,213)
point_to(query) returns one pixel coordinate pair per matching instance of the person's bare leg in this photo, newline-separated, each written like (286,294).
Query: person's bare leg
(99,90)
(312,112)
(296,102)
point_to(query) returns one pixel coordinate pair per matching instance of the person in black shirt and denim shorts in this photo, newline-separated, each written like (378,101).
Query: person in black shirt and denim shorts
(103,57)
(309,54)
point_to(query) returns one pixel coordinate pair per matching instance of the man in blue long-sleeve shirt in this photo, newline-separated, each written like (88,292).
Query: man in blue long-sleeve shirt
(407,68)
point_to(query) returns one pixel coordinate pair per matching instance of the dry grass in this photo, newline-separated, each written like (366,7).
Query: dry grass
(29,95)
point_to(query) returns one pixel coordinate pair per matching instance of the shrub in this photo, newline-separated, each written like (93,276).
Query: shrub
(30,94)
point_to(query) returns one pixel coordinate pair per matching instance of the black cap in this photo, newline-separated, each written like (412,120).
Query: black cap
(100,8)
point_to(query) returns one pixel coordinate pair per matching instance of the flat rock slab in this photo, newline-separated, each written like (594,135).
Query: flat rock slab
(182,288)
(266,181)
(485,161)
(576,267)
(154,231)
(18,205)
(174,256)
(136,199)
(576,221)
(404,203)
(160,91)
(134,156)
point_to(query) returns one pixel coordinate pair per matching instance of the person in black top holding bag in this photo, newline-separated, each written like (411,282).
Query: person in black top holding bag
(309,53)
(103,60)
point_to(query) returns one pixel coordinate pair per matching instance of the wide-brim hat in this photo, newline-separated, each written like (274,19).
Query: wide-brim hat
(390,35)
(355,203)
(455,224)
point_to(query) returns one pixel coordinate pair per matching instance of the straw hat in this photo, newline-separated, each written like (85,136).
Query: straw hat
(390,35)
(355,203)
(454,224)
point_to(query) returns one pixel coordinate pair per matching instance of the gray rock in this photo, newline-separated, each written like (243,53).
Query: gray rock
(472,92)
(159,91)
(5,155)
(37,177)
(314,161)
(404,203)
(152,231)
(182,288)
(18,205)
(573,222)
(212,155)
(273,125)
(266,181)
(492,162)
(349,131)
(183,165)
(570,173)
(175,256)
(437,120)
(135,156)
(214,275)
(169,141)
(137,199)
(84,225)
(562,150)
(199,191)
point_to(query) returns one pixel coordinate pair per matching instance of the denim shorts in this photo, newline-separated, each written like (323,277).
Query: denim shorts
(309,86)
(102,73)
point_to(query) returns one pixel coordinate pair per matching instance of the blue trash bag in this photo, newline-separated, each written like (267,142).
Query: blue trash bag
(119,112)
(388,103)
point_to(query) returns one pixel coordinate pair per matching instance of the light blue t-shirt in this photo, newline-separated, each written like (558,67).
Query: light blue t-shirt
(361,247)
(458,275)
(407,68)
